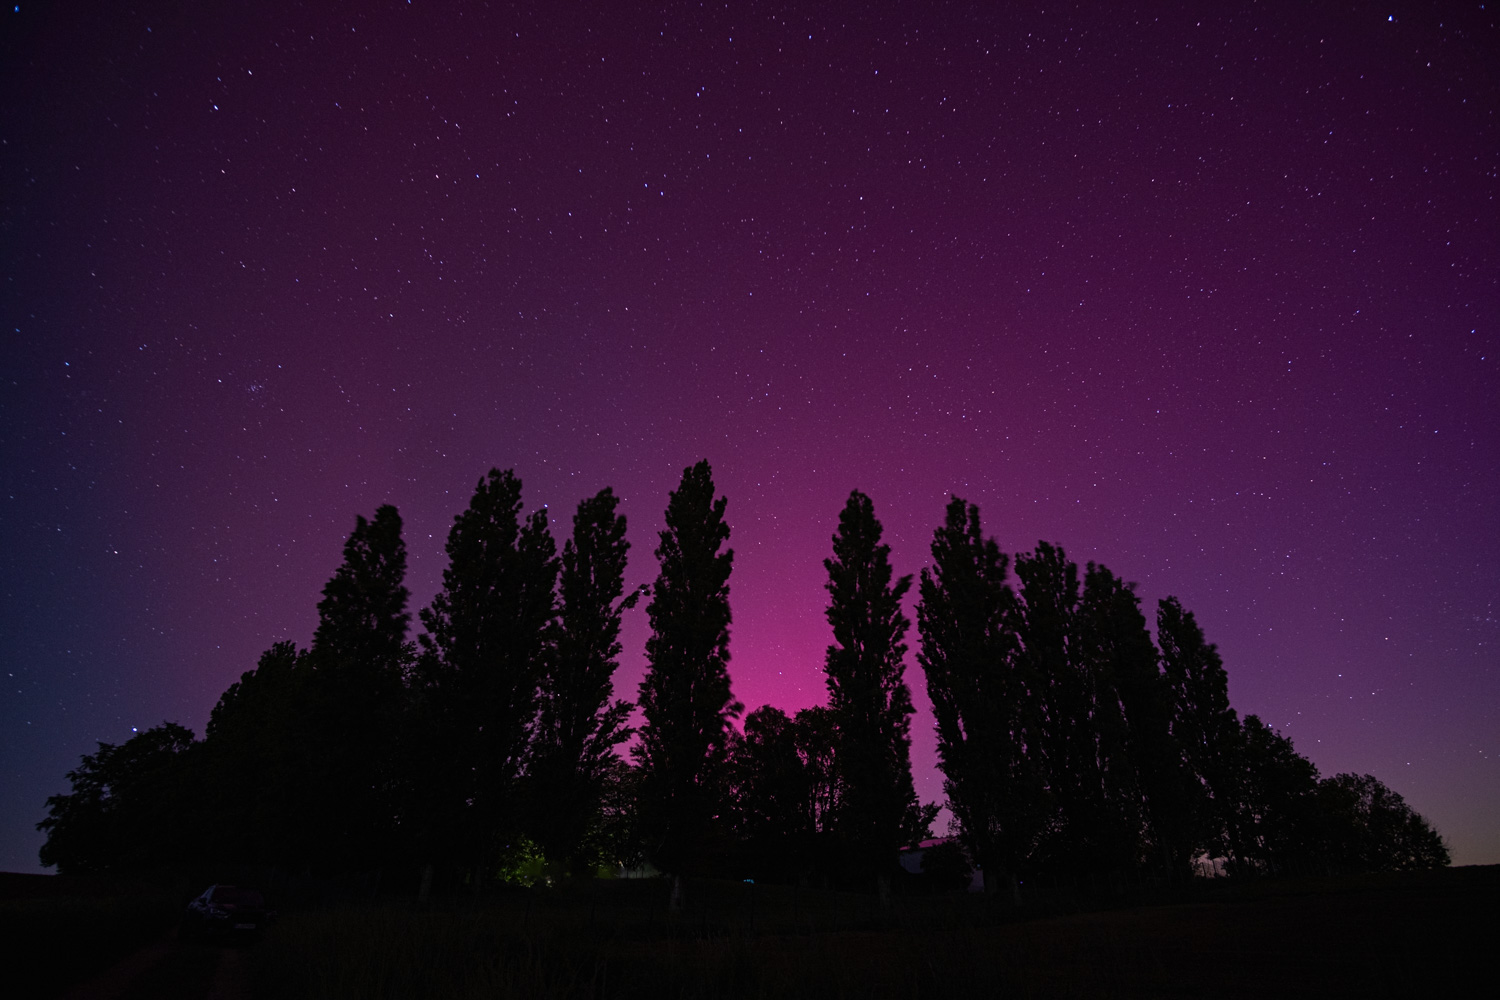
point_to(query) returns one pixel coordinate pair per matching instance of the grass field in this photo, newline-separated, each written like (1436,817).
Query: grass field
(1419,934)
(58,932)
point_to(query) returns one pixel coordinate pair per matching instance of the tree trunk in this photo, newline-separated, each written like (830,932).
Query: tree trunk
(425,886)
(993,880)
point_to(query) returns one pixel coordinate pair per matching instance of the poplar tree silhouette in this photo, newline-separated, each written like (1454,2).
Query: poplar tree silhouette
(685,695)
(578,726)
(868,697)
(1089,664)
(358,657)
(1145,787)
(488,632)
(258,750)
(1205,730)
(362,618)
(1116,664)
(1050,593)
(983,699)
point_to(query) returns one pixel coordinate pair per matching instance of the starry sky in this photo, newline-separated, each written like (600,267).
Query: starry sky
(1207,293)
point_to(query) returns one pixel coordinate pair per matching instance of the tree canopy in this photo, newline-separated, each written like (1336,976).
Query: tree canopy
(484,653)
(982,692)
(578,725)
(1074,744)
(685,696)
(124,812)
(869,701)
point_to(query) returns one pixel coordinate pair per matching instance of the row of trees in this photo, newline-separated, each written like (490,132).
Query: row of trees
(1069,741)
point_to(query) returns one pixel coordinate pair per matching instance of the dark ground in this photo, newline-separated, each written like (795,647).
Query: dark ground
(1404,935)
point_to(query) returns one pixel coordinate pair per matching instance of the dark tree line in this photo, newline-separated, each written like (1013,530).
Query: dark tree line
(1069,740)
(1072,746)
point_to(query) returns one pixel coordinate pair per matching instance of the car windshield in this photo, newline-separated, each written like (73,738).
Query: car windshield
(238,897)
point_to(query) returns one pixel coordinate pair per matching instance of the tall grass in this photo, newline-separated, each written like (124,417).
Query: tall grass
(379,953)
(620,941)
(52,943)
(1379,938)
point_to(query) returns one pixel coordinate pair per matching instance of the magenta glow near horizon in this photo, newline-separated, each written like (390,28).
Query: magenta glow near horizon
(1210,299)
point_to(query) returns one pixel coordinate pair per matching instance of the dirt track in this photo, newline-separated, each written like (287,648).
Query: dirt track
(171,969)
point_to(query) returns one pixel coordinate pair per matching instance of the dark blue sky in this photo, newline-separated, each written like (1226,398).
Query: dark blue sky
(1207,296)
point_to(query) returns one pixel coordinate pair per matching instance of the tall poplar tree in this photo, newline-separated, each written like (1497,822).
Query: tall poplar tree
(1093,664)
(868,696)
(488,634)
(362,618)
(358,657)
(685,696)
(1205,729)
(578,725)
(259,747)
(1050,594)
(988,719)
(1118,665)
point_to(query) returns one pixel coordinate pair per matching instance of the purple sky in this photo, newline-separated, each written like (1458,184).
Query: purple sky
(1208,297)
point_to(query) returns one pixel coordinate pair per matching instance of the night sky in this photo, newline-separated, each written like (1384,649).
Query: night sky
(1207,295)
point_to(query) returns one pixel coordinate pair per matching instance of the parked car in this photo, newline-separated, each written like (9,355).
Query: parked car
(224,911)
